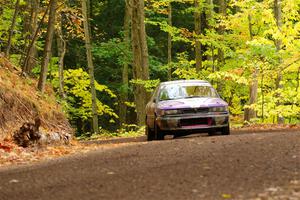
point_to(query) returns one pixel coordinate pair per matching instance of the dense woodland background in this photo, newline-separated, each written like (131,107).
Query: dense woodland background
(104,57)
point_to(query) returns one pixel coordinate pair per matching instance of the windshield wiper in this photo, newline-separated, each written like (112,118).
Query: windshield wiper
(171,99)
(188,97)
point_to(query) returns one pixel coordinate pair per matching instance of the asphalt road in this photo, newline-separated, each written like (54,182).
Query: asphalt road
(239,166)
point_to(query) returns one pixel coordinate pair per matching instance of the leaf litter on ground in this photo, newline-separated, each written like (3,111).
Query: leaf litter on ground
(11,154)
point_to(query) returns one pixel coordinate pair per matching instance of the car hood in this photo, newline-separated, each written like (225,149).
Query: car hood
(191,103)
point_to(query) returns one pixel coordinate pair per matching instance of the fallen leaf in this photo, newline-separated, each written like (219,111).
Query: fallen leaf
(226,196)
(14,181)
(5,148)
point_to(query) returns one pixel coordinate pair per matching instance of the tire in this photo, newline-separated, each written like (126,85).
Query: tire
(175,136)
(226,130)
(211,132)
(159,135)
(150,134)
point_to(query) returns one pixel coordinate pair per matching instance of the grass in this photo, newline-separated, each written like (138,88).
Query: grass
(120,133)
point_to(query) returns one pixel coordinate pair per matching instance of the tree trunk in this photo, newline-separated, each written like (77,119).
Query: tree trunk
(220,55)
(90,66)
(209,18)
(48,45)
(124,93)
(140,58)
(33,28)
(209,12)
(262,95)
(170,43)
(88,10)
(277,13)
(26,24)
(197,19)
(222,12)
(298,80)
(12,27)
(250,112)
(61,47)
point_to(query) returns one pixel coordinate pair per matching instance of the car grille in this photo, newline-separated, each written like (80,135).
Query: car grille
(194,121)
(195,110)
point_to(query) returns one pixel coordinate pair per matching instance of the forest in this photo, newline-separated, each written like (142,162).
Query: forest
(104,58)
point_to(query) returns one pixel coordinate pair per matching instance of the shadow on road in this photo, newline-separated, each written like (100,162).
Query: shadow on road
(170,137)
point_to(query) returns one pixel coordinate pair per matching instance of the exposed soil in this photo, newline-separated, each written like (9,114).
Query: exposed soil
(21,102)
(240,166)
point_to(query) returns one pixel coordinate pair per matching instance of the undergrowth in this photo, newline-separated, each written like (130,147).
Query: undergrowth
(128,130)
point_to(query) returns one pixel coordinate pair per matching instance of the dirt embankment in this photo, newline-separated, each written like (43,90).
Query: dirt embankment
(21,102)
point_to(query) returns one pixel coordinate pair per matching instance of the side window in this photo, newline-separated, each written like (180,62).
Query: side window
(213,92)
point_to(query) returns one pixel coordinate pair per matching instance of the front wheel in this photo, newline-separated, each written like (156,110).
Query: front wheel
(211,132)
(150,133)
(159,135)
(226,130)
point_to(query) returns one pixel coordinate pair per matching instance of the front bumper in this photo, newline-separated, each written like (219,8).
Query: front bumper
(193,122)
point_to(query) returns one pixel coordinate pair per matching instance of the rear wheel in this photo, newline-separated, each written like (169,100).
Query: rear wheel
(226,130)
(159,135)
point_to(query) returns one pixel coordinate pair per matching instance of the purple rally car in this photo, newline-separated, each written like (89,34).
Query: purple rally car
(185,106)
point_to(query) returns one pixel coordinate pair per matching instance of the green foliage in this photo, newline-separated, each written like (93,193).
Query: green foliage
(184,68)
(115,50)
(149,85)
(79,100)
(284,103)
(5,22)
(230,55)
(6,15)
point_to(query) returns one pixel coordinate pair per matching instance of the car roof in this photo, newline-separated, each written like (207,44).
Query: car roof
(186,82)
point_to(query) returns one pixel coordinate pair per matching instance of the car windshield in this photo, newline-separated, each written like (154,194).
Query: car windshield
(171,92)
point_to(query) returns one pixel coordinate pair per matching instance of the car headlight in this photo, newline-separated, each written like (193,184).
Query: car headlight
(172,112)
(168,112)
(219,109)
